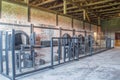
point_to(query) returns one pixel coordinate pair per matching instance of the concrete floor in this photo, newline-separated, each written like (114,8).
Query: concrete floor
(103,66)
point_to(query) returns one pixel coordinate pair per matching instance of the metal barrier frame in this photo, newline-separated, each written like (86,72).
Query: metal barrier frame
(6,74)
(59,51)
(14,75)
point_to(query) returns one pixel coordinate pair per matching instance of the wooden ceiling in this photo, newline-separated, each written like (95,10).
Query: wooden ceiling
(89,10)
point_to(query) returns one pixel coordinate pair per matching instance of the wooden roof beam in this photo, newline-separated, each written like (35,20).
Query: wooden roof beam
(104,6)
(96,3)
(76,11)
(106,10)
(57,6)
(97,7)
(80,7)
(112,9)
(33,2)
(110,12)
(69,8)
(45,2)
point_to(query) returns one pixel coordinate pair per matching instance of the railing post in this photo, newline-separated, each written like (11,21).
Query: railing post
(13,54)
(52,52)
(6,53)
(77,48)
(59,50)
(31,28)
(85,42)
(91,47)
(73,32)
(1,59)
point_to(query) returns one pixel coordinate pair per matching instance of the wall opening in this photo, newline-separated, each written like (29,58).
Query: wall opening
(117,39)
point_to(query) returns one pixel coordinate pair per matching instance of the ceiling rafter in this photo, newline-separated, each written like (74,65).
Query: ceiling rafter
(69,8)
(111,12)
(94,8)
(81,7)
(111,9)
(57,6)
(75,11)
(99,2)
(45,2)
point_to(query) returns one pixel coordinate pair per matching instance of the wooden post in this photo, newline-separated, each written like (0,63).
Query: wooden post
(83,24)
(84,18)
(57,20)
(90,26)
(64,6)
(29,14)
(84,14)
(72,23)
(28,10)
(98,23)
(0,8)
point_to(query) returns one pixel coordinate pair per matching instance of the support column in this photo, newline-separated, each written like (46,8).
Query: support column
(64,6)
(1,53)
(29,14)
(57,20)
(99,21)
(72,24)
(60,43)
(84,14)
(60,32)
(13,55)
(90,26)
(84,18)
(73,32)
(85,33)
(28,10)
(0,8)
(98,33)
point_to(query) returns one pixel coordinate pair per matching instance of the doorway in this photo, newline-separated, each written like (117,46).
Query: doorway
(117,39)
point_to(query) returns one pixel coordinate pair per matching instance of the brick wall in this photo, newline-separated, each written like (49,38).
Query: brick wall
(14,13)
(41,17)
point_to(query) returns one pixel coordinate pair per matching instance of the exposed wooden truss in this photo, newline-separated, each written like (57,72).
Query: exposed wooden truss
(104,9)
